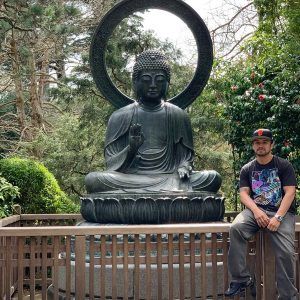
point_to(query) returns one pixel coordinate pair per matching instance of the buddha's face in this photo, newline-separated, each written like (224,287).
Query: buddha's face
(151,86)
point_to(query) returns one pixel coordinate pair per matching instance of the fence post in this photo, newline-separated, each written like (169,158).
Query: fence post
(269,287)
(80,267)
(17,209)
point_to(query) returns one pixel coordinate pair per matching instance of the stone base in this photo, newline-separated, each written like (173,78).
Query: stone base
(191,207)
(119,288)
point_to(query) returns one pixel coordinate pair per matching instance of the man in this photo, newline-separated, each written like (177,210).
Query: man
(149,144)
(267,189)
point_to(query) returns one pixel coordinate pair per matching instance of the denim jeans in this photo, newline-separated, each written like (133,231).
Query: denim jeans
(242,229)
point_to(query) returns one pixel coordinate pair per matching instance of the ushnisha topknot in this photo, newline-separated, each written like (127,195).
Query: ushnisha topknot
(151,60)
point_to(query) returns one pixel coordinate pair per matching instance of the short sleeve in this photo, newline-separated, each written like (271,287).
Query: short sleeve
(244,177)
(287,176)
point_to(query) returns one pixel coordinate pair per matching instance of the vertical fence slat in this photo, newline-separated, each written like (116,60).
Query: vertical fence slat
(2,257)
(214,265)
(68,267)
(44,267)
(269,292)
(298,261)
(159,267)
(148,267)
(8,267)
(181,266)
(32,267)
(136,266)
(56,242)
(125,266)
(92,266)
(103,270)
(80,267)
(14,259)
(258,265)
(114,267)
(203,265)
(170,264)
(250,266)
(192,266)
(20,266)
(225,260)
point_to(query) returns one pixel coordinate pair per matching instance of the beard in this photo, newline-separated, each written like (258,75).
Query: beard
(262,152)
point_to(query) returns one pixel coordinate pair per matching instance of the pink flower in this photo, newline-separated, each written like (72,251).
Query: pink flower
(261,97)
(234,88)
(286,143)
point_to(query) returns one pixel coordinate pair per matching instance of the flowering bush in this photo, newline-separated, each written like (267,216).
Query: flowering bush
(261,101)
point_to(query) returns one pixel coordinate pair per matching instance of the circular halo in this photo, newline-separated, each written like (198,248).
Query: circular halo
(127,7)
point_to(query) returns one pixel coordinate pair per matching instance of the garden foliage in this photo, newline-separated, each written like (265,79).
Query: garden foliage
(38,189)
(8,194)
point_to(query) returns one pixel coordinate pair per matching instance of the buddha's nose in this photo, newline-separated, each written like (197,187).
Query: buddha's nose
(153,83)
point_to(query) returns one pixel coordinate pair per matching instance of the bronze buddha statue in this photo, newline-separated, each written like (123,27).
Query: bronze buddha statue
(149,143)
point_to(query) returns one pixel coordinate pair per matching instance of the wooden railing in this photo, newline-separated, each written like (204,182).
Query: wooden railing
(175,261)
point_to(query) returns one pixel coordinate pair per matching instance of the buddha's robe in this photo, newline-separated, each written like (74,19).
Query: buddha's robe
(168,145)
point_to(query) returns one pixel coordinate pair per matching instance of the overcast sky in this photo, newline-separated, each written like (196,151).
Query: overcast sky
(167,25)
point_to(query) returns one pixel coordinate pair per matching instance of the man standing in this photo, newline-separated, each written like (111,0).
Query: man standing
(267,189)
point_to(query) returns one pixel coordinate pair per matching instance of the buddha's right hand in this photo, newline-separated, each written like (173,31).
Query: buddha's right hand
(136,137)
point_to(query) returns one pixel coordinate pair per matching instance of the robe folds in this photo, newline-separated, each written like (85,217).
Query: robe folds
(167,146)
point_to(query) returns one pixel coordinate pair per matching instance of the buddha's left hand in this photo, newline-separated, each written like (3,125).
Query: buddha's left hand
(184,172)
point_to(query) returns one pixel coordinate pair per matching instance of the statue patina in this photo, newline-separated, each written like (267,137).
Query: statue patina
(149,144)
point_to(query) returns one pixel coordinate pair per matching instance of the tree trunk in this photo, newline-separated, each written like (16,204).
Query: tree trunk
(36,108)
(20,103)
(44,70)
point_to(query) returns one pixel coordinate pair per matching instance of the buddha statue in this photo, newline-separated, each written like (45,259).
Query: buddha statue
(149,143)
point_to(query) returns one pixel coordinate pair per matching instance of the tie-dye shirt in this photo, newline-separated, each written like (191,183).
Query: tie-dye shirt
(266,182)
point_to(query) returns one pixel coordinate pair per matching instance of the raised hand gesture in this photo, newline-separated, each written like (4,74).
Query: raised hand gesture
(136,137)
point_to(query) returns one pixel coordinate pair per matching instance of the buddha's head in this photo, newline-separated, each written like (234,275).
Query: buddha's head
(151,76)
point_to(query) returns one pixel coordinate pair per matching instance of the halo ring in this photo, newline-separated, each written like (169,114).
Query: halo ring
(127,7)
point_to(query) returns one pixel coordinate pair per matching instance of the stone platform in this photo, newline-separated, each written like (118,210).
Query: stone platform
(153,208)
(143,282)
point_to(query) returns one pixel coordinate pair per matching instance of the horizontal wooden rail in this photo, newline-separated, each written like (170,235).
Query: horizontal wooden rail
(115,229)
(9,220)
(118,229)
(50,216)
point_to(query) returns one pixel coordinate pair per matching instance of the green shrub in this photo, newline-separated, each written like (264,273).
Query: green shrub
(8,193)
(39,190)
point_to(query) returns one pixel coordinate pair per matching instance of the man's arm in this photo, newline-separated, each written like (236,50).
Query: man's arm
(260,216)
(286,202)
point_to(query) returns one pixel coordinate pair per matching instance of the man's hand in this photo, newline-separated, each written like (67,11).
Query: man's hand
(184,172)
(136,137)
(261,218)
(273,224)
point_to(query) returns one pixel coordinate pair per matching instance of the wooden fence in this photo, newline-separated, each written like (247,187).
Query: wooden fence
(176,261)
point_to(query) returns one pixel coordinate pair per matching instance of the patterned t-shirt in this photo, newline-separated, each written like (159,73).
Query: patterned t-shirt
(266,182)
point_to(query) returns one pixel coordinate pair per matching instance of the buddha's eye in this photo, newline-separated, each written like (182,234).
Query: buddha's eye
(160,78)
(146,78)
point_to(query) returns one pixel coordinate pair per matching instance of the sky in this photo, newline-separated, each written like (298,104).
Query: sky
(167,25)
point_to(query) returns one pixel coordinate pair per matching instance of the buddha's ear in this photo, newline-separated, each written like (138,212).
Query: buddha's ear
(134,86)
(166,90)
